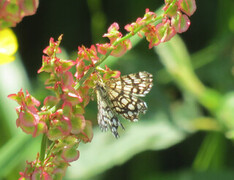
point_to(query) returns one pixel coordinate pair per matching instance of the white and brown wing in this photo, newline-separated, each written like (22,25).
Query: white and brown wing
(106,117)
(119,96)
(137,84)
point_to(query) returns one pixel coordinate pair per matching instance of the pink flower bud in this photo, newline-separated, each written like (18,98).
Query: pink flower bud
(78,123)
(70,154)
(87,134)
(104,48)
(113,32)
(89,54)
(109,73)
(121,48)
(180,22)
(151,35)
(187,6)
(165,31)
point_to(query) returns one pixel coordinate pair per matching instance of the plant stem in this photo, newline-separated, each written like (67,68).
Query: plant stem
(43,148)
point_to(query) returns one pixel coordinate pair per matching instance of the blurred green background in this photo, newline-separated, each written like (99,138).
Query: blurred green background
(187,132)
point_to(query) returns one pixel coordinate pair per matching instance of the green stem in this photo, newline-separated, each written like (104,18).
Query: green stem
(43,148)
(171,6)
(50,149)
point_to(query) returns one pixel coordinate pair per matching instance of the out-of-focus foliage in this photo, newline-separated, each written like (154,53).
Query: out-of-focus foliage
(187,132)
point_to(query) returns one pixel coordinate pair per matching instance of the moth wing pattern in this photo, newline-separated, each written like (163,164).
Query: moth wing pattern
(106,117)
(137,84)
(119,96)
(126,105)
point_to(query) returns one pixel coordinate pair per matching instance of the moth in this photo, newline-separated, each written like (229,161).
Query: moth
(119,96)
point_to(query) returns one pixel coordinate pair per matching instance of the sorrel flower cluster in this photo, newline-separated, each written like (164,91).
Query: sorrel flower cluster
(173,21)
(61,118)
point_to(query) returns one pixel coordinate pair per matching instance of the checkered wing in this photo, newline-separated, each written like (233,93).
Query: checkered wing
(126,105)
(123,92)
(137,84)
(119,96)
(106,116)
